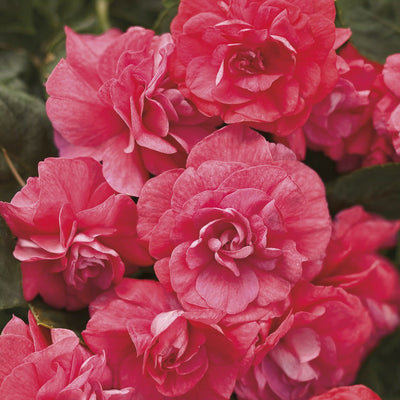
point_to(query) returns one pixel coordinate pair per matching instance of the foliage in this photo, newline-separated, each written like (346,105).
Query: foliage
(375,25)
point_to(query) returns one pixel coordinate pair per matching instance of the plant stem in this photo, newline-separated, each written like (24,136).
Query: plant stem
(14,171)
(102,14)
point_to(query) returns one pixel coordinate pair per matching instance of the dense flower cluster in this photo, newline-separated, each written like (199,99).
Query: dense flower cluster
(257,291)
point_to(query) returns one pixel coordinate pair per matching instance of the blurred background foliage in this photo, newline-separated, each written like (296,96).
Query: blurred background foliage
(32,41)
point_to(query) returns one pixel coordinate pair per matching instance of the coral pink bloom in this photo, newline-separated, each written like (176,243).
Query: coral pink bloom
(112,99)
(36,365)
(238,227)
(163,351)
(354,264)
(262,62)
(341,124)
(387,111)
(76,236)
(323,347)
(356,392)
(346,113)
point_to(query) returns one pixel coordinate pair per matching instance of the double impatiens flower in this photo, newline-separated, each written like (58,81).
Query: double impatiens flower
(258,292)
(112,99)
(76,235)
(39,365)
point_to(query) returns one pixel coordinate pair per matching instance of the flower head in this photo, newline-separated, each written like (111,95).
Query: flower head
(112,99)
(261,62)
(238,227)
(52,366)
(76,235)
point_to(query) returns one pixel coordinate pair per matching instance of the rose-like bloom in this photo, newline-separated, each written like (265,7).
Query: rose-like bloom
(236,229)
(112,99)
(341,124)
(323,347)
(76,235)
(263,62)
(353,263)
(355,392)
(39,365)
(387,111)
(155,346)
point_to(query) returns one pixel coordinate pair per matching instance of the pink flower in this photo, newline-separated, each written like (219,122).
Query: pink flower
(354,264)
(323,347)
(355,392)
(263,62)
(76,236)
(341,124)
(163,351)
(387,111)
(238,227)
(37,366)
(112,99)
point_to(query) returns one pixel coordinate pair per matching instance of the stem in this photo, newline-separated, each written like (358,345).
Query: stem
(102,14)
(14,171)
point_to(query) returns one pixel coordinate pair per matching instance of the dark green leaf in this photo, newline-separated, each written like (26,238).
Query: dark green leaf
(381,371)
(165,18)
(126,13)
(52,318)
(375,25)
(14,65)
(376,188)
(46,23)
(25,133)
(325,166)
(170,3)
(16,16)
(10,271)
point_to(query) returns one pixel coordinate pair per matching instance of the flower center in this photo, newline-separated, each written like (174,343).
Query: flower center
(274,57)
(226,237)
(83,265)
(250,62)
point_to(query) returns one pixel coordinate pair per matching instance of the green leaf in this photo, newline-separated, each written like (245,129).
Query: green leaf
(170,3)
(10,271)
(53,318)
(16,16)
(126,13)
(25,133)
(381,370)
(45,20)
(376,188)
(375,25)
(324,166)
(165,18)
(14,66)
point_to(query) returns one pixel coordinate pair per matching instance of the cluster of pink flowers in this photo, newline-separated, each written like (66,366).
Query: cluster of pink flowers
(258,291)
